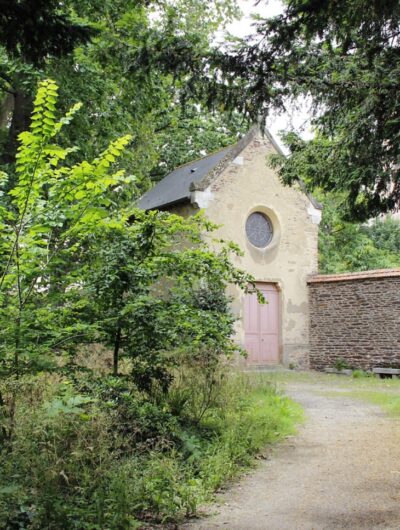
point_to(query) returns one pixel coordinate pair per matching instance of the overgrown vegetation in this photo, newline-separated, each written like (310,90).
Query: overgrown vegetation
(94,452)
(116,403)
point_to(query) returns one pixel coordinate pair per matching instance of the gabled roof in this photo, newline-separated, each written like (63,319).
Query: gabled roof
(176,187)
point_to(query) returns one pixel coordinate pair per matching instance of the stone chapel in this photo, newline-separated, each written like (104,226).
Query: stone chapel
(275,226)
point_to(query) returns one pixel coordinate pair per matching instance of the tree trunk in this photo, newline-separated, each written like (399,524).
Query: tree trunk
(117,344)
(17,343)
(7,107)
(3,416)
(23,104)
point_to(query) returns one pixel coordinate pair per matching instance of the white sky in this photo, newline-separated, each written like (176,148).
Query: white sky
(295,118)
(265,8)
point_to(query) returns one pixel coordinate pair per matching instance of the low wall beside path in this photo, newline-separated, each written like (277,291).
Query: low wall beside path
(355,317)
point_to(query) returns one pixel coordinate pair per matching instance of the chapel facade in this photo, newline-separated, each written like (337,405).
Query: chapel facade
(275,226)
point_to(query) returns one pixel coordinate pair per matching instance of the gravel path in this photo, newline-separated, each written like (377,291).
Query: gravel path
(342,470)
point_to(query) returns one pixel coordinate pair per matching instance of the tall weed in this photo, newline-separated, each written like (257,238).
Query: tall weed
(92,455)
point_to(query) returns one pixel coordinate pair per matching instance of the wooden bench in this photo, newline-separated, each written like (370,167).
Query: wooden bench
(387,372)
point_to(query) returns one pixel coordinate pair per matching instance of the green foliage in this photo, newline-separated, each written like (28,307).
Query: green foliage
(124,460)
(357,374)
(35,31)
(385,233)
(343,57)
(160,290)
(341,364)
(348,247)
(48,214)
(132,72)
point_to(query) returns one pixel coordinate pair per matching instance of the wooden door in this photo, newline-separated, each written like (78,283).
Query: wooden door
(261,324)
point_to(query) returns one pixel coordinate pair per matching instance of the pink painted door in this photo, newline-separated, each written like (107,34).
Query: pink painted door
(261,325)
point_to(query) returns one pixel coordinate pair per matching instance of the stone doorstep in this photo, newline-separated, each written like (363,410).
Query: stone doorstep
(265,368)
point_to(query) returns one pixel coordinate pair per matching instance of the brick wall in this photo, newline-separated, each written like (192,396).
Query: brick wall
(355,317)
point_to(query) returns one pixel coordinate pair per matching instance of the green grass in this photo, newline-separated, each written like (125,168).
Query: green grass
(261,416)
(118,461)
(388,401)
(343,381)
(382,392)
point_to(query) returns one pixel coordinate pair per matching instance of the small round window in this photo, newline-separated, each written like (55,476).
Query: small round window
(259,229)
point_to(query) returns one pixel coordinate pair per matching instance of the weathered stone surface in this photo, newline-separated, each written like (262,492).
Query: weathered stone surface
(292,255)
(356,318)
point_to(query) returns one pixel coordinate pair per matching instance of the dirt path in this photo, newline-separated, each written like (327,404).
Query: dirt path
(342,470)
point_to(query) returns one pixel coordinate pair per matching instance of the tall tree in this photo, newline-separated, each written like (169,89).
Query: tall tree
(345,56)
(133,72)
(31,33)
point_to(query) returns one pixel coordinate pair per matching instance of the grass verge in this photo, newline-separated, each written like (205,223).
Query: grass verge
(382,392)
(388,401)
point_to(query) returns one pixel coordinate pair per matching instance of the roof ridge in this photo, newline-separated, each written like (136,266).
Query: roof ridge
(199,158)
(207,171)
(234,151)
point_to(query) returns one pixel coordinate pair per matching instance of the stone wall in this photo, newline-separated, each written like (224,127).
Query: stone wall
(355,317)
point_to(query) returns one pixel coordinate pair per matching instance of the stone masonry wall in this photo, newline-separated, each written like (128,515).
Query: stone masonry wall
(355,317)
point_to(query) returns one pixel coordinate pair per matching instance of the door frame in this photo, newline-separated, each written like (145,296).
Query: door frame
(278,288)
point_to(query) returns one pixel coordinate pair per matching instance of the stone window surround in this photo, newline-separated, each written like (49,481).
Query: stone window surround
(276,227)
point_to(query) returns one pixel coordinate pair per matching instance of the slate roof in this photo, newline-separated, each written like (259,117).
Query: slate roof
(176,187)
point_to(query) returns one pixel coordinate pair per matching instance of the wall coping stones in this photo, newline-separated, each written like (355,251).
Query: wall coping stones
(347,276)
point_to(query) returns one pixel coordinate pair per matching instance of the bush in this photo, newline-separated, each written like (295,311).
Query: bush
(341,364)
(101,455)
(357,374)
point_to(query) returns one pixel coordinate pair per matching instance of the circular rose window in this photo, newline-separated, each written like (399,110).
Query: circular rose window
(259,229)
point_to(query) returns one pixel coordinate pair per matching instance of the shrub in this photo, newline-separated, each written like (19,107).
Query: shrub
(107,457)
(341,364)
(357,374)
